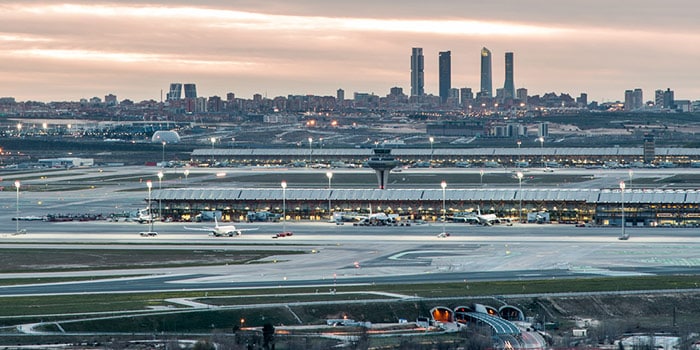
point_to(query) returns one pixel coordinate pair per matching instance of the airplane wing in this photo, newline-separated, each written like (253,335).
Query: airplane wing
(205,229)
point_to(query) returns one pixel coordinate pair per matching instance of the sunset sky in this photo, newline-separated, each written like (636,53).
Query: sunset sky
(56,51)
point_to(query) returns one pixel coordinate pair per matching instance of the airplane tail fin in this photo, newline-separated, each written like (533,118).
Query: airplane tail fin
(216,222)
(478,210)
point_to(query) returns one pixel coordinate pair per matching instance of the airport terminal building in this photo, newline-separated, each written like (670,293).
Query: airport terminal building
(484,156)
(598,206)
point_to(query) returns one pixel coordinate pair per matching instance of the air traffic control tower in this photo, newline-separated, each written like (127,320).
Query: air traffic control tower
(382,163)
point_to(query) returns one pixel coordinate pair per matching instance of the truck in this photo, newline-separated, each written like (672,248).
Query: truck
(257,216)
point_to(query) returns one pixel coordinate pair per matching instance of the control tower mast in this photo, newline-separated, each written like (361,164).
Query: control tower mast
(382,163)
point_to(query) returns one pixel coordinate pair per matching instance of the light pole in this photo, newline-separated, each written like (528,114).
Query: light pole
(443,184)
(160,183)
(622,203)
(541,139)
(149,184)
(213,158)
(431,139)
(187,173)
(311,142)
(17,184)
(630,174)
(330,176)
(481,177)
(284,206)
(162,163)
(520,195)
(519,155)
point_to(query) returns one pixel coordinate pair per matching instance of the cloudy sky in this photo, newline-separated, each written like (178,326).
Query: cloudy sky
(54,50)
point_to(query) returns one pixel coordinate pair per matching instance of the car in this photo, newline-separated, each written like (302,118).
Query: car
(148,234)
(283,234)
(443,235)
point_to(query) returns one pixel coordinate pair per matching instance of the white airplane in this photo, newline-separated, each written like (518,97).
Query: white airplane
(491,219)
(220,231)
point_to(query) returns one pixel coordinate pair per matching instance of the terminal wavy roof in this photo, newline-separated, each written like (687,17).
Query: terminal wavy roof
(594,196)
(399,152)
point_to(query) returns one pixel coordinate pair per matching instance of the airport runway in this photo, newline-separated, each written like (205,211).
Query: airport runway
(341,254)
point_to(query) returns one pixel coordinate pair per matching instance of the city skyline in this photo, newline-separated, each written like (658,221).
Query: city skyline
(53,51)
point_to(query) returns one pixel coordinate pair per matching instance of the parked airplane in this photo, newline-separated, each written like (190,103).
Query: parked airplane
(491,219)
(220,231)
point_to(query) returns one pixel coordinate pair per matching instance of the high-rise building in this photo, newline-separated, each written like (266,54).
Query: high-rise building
(582,100)
(340,95)
(466,96)
(509,85)
(486,74)
(190,91)
(522,95)
(628,100)
(445,75)
(659,99)
(668,99)
(175,92)
(417,75)
(111,100)
(637,99)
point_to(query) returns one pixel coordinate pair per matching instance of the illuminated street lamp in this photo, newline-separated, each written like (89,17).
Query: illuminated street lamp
(481,177)
(520,195)
(311,142)
(162,164)
(187,173)
(519,143)
(541,139)
(431,139)
(443,184)
(284,206)
(213,158)
(17,184)
(160,183)
(149,184)
(330,176)
(622,203)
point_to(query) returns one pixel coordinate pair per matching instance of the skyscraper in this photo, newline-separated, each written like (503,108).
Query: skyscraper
(190,91)
(417,76)
(509,85)
(175,92)
(445,75)
(486,75)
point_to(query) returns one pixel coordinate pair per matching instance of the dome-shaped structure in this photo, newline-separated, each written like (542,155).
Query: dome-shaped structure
(166,136)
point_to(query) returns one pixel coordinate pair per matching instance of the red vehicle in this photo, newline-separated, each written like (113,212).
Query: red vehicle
(283,234)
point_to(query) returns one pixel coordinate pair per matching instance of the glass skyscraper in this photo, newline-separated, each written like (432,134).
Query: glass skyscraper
(486,75)
(417,76)
(509,85)
(445,75)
